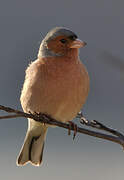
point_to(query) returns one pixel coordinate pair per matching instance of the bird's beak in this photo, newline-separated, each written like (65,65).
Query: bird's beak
(77,44)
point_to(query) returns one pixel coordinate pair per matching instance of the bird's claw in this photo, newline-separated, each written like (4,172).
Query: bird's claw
(74,126)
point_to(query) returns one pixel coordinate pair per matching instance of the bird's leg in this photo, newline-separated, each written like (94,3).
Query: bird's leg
(69,129)
(71,124)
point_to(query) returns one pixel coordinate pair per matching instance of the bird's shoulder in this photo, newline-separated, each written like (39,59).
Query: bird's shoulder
(34,67)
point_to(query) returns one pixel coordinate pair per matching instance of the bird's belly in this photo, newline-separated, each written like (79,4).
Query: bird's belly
(66,111)
(63,104)
(59,96)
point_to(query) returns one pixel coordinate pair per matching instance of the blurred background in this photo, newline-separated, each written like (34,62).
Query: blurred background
(23,24)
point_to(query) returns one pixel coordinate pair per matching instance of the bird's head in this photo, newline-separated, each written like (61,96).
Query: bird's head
(59,42)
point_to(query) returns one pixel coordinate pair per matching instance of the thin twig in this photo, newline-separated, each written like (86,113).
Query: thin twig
(100,126)
(10,116)
(118,138)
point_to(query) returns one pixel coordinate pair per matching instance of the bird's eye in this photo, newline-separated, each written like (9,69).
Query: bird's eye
(63,41)
(73,37)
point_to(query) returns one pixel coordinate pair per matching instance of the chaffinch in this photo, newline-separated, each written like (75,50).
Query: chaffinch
(56,84)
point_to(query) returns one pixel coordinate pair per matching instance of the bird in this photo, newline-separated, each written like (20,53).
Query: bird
(56,84)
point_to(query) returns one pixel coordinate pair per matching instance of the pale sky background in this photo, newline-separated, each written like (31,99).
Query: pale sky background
(23,24)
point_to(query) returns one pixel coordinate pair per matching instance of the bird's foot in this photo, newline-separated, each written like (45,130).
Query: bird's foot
(41,115)
(45,116)
(74,126)
(37,114)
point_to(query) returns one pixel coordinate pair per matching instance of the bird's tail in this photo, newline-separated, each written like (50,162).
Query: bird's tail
(32,149)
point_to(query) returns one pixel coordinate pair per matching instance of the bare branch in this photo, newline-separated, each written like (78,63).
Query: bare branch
(10,116)
(100,126)
(117,138)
